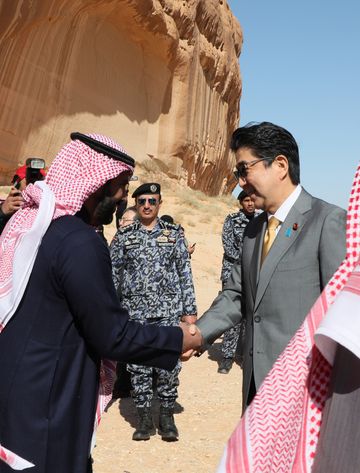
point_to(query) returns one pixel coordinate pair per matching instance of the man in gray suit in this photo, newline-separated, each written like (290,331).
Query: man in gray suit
(290,252)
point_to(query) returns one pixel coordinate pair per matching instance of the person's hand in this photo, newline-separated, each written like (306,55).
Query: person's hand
(192,340)
(12,202)
(189,319)
(191,248)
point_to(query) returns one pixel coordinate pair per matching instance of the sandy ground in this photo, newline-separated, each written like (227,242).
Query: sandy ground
(209,403)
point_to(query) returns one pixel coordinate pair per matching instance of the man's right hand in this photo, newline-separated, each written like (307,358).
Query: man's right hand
(192,340)
(12,203)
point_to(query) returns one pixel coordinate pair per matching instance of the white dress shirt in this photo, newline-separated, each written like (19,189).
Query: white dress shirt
(285,207)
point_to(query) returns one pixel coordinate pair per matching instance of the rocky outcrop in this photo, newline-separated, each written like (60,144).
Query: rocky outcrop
(160,76)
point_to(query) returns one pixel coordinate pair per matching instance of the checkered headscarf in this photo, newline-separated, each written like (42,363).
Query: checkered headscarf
(75,174)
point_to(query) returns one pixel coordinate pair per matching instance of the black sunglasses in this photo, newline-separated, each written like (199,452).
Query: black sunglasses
(242,169)
(152,201)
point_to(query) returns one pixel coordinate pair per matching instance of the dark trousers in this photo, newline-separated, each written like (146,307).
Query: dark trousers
(338,450)
(251,394)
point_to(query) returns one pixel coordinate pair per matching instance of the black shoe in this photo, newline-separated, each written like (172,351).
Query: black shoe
(167,427)
(145,426)
(225,365)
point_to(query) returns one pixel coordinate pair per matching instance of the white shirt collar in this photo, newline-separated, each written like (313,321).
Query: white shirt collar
(285,207)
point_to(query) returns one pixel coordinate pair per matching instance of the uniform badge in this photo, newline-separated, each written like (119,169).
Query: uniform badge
(166,232)
(131,243)
(162,239)
(153,188)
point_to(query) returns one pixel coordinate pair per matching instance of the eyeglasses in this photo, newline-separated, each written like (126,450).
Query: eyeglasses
(152,201)
(242,169)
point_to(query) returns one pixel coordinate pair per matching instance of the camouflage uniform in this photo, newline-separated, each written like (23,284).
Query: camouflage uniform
(152,273)
(232,236)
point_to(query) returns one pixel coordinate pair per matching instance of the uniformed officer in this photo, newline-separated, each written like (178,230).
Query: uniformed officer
(232,236)
(152,272)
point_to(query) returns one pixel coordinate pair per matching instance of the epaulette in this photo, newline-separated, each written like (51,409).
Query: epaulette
(173,226)
(129,228)
(236,215)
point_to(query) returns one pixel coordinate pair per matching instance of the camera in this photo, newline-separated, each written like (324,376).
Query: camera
(32,171)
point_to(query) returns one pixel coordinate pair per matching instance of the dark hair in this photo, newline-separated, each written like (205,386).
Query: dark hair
(267,140)
(242,196)
(167,218)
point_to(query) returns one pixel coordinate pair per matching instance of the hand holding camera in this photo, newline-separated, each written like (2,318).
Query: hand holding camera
(12,203)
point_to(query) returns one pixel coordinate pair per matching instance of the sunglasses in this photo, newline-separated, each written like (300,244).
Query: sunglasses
(242,169)
(152,201)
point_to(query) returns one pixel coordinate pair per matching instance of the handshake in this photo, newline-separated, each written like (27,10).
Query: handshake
(192,340)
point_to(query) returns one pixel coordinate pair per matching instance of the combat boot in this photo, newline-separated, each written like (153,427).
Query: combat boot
(145,426)
(225,365)
(167,427)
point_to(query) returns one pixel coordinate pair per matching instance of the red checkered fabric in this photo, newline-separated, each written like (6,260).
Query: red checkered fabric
(75,174)
(280,429)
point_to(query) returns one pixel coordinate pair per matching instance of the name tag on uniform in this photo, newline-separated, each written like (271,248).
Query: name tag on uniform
(130,244)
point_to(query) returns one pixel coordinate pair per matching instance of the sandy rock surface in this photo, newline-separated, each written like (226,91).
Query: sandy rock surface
(159,76)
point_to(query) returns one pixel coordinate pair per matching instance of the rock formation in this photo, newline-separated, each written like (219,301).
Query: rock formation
(160,76)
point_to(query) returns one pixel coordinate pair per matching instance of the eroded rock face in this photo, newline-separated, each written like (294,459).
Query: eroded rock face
(160,76)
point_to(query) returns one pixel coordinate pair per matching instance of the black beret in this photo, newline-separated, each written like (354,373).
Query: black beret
(102,148)
(147,188)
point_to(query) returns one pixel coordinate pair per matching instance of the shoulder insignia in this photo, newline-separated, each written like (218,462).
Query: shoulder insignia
(172,226)
(128,228)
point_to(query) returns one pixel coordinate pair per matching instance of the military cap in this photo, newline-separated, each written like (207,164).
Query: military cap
(147,188)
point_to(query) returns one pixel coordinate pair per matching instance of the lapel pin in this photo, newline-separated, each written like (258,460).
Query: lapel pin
(295,227)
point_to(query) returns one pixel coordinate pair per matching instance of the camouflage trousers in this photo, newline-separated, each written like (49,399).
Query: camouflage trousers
(145,379)
(233,339)
(230,341)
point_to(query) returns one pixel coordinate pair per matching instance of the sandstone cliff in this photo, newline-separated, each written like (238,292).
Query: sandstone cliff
(160,76)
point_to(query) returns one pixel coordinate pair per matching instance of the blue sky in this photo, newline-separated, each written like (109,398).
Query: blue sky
(300,67)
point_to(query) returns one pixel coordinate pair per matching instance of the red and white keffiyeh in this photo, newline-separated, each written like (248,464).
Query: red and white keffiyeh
(279,431)
(76,173)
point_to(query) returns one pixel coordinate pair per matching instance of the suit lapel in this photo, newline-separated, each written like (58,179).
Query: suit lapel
(289,232)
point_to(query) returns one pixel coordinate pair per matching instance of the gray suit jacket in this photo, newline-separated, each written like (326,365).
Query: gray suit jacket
(275,298)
